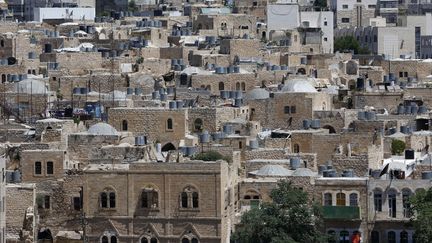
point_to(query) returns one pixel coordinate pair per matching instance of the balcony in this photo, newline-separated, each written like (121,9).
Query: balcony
(341,212)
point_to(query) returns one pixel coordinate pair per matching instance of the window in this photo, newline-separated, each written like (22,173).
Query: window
(113,239)
(296,148)
(108,199)
(76,201)
(404,237)
(293,109)
(375,238)
(185,240)
(189,198)
(328,201)
(325,23)
(392,203)
(286,109)
(240,145)
(359,1)
(255,4)
(237,86)
(144,240)
(198,125)
(149,198)
(378,201)
(340,199)
(345,20)
(391,237)
(407,211)
(38,168)
(325,38)
(124,125)
(353,199)
(344,237)
(194,240)
(221,86)
(104,239)
(345,6)
(243,86)
(47,202)
(331,236)
(169,124)
(371,6)
(50,168)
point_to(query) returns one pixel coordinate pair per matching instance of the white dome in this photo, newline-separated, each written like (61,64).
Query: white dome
(298,86)
(31,86)
(258,94)
(272,170)
(303,172)
(102,129)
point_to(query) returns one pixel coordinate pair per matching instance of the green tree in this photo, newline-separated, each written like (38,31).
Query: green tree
(289,218)
(132,6)
(397,146)
(320,5)
(421,204)
(349,43)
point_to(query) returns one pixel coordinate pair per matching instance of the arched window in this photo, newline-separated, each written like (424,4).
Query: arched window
(243,86)
(331,236)
(185,240)
(296,148)
(104,239)
(328,201)
(407,211)
(149,198)
(375,237)
(221,86)
(353,197)
(198,125)
(169,124)
(153,240)
(189,198)
(3,78)
(404,237)
(124,125)
(391,198)
(184,200)
(38,168)
(378,200)
(340,199)
(104,200)
(195,200)
(2,43)
(108,199)
(344,237)
(237,86)
(252,194)
(391,237)
(194,240)
(112,200)
(50,168)
(113,239)
(144,240)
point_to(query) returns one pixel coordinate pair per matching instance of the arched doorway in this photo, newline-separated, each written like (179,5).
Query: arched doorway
(168,147)
(330,128)
(44,235)
(301,71)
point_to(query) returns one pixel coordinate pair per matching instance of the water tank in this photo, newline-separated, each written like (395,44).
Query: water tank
(391,76)
(204,137)
(295,163)
(236,69)
(158,148)
(348,173)
(386,79)
(315,123)
(97,112)
(232,94)
(138,91)
(224,94)
(408,109)
(163,97)
(155,95)
(130,91)
(401,110)
(16,176)
(32,55)
(177,67)
(219,70)
(404,129)
(392,130)
(170,90)
(409,154)
(306,124)
(230,69)
(227,129)
(253,144)
(180,61)
(329,173)
(83,90)
(275,68)
(427,175)
(238,94)
(414,109)
(361,115)
(180,104)
(172,104)
(375,174)
(76,90)
(162,91)
(422,109)
(190,151)
(48,48)
(321,168)
(238,102)
(138,141)
(370,115)
(284,67)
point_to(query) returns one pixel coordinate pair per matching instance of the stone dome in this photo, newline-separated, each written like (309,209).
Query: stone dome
(257,94)
(272,170)
(102,129)
(303,172)
(298,86)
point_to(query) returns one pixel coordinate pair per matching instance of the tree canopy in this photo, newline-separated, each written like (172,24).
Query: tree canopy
(289,218)
(422,220)
(349,43)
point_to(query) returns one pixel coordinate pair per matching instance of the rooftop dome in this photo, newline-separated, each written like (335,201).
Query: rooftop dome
(303,172)
(102,129)
(272,170)
(31,86)
(298,86)
(258,94)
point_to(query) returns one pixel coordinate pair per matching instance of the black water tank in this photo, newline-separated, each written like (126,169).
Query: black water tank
(409,154)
